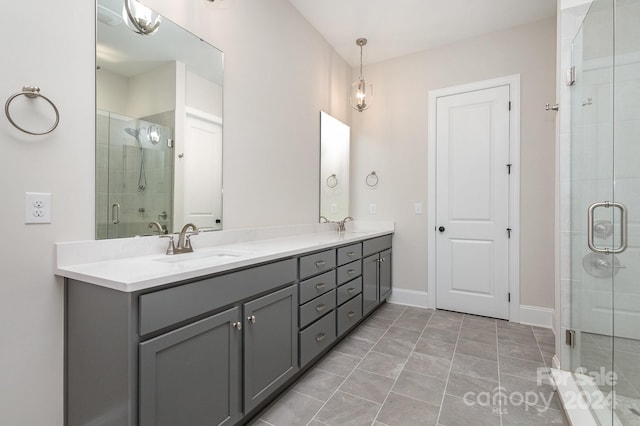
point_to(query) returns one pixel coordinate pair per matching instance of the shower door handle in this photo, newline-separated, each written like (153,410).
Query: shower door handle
(623,227)
(115,213)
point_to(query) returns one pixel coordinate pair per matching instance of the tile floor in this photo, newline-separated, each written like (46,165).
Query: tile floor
(410,366)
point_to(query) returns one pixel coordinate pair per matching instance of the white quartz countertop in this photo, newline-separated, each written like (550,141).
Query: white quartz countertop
(135,264)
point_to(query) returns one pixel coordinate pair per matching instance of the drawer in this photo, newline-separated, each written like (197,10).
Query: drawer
(318,307)
(317,263)
(317,337)
(375,245)
(167,307)
(348,290)
(349,271)
(349,253)
(349,314)
(314,287)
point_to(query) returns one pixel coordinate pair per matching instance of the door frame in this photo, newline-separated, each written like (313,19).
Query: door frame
(513,81)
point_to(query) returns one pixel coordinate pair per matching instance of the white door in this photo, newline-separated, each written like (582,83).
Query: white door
(472,202)
(202,173)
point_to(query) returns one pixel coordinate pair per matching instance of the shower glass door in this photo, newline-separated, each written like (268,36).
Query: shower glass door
(605,208)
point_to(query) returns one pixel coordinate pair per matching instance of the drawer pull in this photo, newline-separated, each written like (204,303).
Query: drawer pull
(320,337)
(351,253)
(320,286)
(351,290)
(252,319)
(383,259)
(351,271)
(321,307)
(320,263)
(351,314)
(237,325)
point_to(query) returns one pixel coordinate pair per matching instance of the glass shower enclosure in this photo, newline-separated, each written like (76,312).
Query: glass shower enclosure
(134,175)
(605,209)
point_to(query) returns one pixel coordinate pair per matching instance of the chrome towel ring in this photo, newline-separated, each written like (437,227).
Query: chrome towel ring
(332,181)
(31,92)
(372,179)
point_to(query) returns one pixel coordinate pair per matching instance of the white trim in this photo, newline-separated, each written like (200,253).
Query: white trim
(194,112)
(513,81)
(414,298)
(534,315)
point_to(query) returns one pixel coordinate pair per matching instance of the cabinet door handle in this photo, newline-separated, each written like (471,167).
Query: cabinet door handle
(351,314)
(320,286)
(321,307)
(237,325)
(383,259)
(320,263)
(252,319)
(351,271)
(351,253)
(320,337)
(351,290)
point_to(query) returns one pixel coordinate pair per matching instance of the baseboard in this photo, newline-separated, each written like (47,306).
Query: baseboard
(414,298)
(534,315)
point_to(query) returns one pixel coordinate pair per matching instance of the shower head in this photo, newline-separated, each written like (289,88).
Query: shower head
(132,132)
(151,134)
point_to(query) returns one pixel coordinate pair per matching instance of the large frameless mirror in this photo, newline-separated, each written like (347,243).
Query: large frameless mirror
(334,168)
(158,126)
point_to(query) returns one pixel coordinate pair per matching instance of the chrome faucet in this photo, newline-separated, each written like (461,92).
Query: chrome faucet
(184,240)
(159,228)
(342,224)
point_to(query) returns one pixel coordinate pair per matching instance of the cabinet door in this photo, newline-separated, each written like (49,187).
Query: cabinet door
(270,344)
(191,376)
(369,283)
(385,274)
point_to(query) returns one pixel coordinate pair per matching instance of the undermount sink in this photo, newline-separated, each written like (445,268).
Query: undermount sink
(204,256)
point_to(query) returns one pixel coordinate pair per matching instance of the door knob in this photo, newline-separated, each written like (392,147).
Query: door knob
(441,229)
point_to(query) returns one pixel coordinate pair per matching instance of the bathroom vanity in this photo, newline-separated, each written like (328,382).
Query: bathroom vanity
(214,340)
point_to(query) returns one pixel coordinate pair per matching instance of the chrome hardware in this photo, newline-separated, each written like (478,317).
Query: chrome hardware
(170,143)
(184,239)
(588,102)
(324,219)
(320,263)
(115,213)
(237,325)
(252,319)
(332,181)
(351,290)
(31,92)
(371,180)
(351,272)
(320,286)
(384,259)
(602,228)
(320,337)
(172,247)
(600,265)
(351,253)
(163,215)
(548,107)
(342,224)
(570,77)
(321,307)
(570,338)
(351,314)
(623,228)
(141,210)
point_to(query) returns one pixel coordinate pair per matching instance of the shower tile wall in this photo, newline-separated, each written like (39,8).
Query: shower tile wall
(118,176)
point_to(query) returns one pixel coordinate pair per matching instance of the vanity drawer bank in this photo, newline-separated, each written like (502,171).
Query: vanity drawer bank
(215,348)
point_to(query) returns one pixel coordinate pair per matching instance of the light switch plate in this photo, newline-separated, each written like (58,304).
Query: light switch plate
(37,207)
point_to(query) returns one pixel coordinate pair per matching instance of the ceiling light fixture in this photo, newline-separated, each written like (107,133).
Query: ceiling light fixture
(359,88)
(140,18)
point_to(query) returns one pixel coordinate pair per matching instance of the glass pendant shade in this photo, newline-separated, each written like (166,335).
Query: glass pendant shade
(140,18)
(361,92)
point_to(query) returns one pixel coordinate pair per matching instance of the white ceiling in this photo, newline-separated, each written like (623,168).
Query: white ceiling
(399,27)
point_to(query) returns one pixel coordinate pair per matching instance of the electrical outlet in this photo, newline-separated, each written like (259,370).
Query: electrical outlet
(417,207)
(373,208)
(37,207)
(334,208)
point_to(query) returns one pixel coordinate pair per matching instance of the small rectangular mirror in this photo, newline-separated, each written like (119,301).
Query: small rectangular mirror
(334,168)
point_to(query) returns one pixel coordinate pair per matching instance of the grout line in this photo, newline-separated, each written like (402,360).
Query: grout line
(444,394)
(304,394)
(356,367)
(499,380)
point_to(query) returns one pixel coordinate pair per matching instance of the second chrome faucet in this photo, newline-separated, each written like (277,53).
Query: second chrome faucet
(184,240)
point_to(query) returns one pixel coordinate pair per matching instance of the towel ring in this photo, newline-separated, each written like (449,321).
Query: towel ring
(31,92)
(332,181)
(372,179)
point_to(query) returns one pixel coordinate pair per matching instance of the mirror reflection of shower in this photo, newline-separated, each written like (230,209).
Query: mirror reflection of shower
(152,135)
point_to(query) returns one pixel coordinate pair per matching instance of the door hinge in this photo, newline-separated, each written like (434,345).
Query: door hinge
(170,143)
(509,297)
(509,105)
(571,76)
(570,338)
(509,232)
(509,168)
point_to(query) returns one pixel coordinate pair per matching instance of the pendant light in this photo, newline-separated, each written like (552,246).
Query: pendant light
(140,18)
(360,99)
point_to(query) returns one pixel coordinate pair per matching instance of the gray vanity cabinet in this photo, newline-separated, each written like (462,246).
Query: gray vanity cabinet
(191,376)
(270,344)
(376,272)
